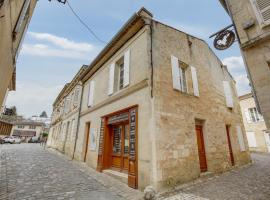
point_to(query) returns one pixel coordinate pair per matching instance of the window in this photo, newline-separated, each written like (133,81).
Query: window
(91,93)
(24,14)
(32,127)
(21,126)
(1,3)
(76,97)
(182,74)
(262,11)
(117,142)
(119,73)
(254,115)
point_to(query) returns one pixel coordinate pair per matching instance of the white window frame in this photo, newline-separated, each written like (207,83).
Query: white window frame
(26,6)
(258,13)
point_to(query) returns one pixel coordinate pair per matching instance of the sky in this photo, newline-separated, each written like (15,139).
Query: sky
(57,45)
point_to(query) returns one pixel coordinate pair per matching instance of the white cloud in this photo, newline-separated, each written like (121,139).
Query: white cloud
(237,69)
(62,42)
(48,45)
(32,98)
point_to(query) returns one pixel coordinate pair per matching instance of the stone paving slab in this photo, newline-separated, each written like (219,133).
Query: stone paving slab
(27,171)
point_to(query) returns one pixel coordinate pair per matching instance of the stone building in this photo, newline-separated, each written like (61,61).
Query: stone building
(14,19)
(65,116)
(159,108)
(252,22)
(257,135)
(26,129)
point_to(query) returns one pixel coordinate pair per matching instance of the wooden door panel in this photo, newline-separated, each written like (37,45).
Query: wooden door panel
(230,145)
(116,161)
(201,149)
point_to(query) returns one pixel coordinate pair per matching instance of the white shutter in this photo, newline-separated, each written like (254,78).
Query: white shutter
(126,68)
(251,139)
(175,73)
(240,138)
(195,81)
(262,11)
(22,16)
(111,79)
(91,93)
(228,94)
(247,115)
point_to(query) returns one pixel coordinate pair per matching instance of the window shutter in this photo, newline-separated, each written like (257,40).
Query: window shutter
(228,94)
(240,138)
(111,79)
(262,10)
(247,115)
(195,81)
(126,68)
(91,93)
(22,16)
(175,73)
(251,139)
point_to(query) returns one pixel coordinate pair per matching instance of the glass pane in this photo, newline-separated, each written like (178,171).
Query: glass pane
(126,147)
(121,76)
(117,140)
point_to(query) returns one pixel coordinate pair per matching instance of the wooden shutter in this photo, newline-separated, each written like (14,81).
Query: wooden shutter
(240,138)
(195,81)
(91,93)
(247,115)
(251,139)
(126,68)
(111,79)
(262,11)
(228,94)
(175,73)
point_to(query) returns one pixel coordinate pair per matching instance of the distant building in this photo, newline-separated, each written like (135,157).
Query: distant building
(26,129)
(158,108)
(252,23)
(257,134)
(65,116)
(15,15)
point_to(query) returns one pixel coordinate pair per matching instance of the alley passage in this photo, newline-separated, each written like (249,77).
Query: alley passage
(27,171)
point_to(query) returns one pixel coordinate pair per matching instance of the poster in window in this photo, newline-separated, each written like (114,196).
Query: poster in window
(92,139)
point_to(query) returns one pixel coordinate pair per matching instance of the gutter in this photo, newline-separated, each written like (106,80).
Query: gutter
(78,122)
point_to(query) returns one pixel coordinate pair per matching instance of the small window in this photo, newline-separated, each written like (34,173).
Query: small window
(262,11)
(254,115)
(21,126)
(182,76)
(121,76)
(32,127)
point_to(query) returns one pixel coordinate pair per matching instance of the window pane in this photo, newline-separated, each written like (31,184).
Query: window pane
(117,132)
(121,75)
(126,147)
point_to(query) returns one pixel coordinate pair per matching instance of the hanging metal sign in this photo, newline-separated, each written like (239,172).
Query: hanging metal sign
(224,39)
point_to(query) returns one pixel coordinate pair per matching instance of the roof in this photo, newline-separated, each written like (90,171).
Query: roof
(28,122)
(245,96)
(128,30)
(69,86)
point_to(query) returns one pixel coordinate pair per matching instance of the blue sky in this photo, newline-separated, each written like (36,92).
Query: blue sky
(57,45)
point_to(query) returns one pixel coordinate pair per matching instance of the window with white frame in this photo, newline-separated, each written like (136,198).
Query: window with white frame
(181,73)
(32,127)
(262,11)
(119,73)
(254,115)
(21,126)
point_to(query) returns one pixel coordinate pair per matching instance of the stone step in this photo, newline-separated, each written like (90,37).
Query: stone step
(123,177)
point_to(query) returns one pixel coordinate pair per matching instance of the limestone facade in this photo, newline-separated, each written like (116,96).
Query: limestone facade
(62,134)
(257,135)
(14,19)
(252,21)
(174,83)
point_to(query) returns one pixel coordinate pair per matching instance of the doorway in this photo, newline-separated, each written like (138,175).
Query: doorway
(120,147)
(87,130)
(201,148)
(230,144)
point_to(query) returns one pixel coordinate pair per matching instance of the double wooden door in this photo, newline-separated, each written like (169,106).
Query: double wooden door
(201,149)
(120,147)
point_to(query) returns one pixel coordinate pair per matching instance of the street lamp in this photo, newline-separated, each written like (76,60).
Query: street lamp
(61,1)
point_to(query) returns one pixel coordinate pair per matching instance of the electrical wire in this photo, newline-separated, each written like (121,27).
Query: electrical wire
(84,24)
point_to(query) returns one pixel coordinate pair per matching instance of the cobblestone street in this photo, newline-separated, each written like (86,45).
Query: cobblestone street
(247,183)
(27,171)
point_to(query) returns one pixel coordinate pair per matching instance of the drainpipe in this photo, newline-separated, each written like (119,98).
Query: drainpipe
(244,58)
(78,121)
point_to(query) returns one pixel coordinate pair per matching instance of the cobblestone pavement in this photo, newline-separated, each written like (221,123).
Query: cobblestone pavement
(247,183)
(27,171)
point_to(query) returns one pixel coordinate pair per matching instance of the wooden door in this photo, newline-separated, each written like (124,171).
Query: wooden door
(201,149)
(230,144)
(87,130)
(120,147)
